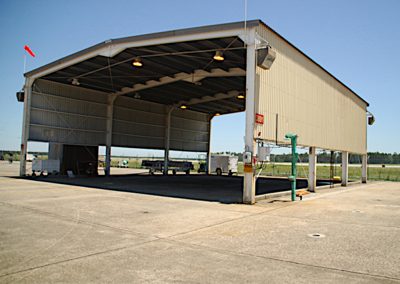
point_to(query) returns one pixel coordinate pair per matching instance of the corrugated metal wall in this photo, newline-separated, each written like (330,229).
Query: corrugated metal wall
(142,124)
(189,130)
(298,96)
(77,116)
(138,124)
(67,114)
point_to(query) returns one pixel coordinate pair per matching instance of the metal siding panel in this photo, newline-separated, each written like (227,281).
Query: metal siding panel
(308,101)
(67,114)
(189,130)
(73,115)
(141,124)
(138,124)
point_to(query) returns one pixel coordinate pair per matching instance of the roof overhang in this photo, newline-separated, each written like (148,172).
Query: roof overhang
(178,68)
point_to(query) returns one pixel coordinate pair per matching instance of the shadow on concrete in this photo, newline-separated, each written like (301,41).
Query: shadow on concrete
(222,189)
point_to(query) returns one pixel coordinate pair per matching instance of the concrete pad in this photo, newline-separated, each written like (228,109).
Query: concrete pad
(170,262)
(51,232)
(345,247)
(362,245)
(372,204)
(144,214)
(31,238)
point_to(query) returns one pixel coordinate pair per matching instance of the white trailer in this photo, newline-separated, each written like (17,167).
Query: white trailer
(174,166)
(224,164)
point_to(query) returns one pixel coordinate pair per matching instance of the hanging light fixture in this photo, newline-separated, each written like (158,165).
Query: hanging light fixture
(183,107)
(137,62)
(240,97)
(219,56)
(75,82)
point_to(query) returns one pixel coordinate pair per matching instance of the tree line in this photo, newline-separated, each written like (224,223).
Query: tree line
(323,157)
(326,157)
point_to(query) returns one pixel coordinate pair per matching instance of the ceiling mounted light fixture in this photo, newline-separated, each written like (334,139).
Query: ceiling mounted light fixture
(75,82)
(240,97)
(137,62)
(217,114)
(183,107)
(219,56)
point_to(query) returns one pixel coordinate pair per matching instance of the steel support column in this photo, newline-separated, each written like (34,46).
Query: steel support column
(312,169)
(208,157)
(25,125)
(110,115)
(249,185)
(364,167)
(167,139)
(345,168)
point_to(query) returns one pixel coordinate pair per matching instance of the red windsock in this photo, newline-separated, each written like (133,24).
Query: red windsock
(29,50)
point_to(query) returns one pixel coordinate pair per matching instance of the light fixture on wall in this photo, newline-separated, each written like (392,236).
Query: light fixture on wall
(241,97)
(183,107)
(137,62)
(265,57)
(371,118)
(75,82)
(219,56)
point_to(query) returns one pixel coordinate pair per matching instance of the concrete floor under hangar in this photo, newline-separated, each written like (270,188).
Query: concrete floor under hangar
(224,189)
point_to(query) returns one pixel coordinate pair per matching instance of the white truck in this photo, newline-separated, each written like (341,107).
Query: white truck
(224,164)
(123,164)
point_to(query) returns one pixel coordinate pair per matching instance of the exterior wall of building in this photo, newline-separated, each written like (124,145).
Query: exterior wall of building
(67,114)
(142,124)
(77,116)
(138,124)
(189,130)
(298,96)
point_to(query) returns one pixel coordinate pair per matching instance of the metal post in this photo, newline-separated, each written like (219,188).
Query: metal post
(110,115)
(208,157)
(345,168)
(25,125)
(292,178)
(169,110)
(312,170)
(249,190)
(364,168)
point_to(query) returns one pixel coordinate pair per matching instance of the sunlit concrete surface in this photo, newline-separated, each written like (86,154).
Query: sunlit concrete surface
(51,232)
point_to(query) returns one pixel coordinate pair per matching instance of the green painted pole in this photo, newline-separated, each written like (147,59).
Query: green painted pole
(292,178)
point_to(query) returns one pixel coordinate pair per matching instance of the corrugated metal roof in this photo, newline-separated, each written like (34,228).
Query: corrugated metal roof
(112,75)
(106,43)
(99,60)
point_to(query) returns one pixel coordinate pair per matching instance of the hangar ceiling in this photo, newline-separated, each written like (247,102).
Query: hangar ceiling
(177,74)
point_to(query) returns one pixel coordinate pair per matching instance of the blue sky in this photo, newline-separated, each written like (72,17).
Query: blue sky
(357,41)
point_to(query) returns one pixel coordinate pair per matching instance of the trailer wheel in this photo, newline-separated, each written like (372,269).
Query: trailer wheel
(219,172)
(174,172)
(230,173)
